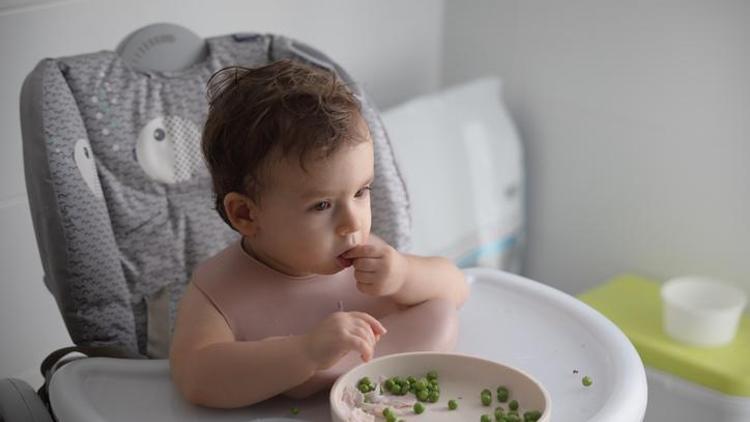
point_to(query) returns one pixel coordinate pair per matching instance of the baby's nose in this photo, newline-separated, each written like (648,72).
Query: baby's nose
(349,223)
(349,229)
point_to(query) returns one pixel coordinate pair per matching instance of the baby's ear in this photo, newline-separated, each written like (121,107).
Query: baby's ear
(241,211)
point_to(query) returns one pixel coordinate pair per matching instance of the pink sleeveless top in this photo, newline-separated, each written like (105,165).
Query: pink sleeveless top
(259,302)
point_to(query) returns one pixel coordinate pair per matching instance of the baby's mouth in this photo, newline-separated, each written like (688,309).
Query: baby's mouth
(343,262)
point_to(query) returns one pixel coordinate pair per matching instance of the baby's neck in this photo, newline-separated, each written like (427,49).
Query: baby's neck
(269,261)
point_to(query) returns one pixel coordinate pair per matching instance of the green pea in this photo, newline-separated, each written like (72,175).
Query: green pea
(390,418)
(452,404)
(389,384)
(387,411)
(423,395)
(365,385)
(433,397)
(421,384)
(432,375)
(485,418)
(295,410)
(502,394)
(418,408)
(513,405)
(587,381)
(532,416)
(499,413)
(486,399)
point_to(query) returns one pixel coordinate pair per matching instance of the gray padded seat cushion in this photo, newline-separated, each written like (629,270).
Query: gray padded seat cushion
(111,236)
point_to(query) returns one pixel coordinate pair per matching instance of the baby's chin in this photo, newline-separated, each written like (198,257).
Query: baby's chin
(331,271)
(336,266)
(325,266)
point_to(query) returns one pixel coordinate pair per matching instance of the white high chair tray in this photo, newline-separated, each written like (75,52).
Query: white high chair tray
(507,318)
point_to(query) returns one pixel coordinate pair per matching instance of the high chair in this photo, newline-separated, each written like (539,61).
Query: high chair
(122,209)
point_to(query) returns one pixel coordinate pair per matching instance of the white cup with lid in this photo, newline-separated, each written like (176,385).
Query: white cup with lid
(701,311)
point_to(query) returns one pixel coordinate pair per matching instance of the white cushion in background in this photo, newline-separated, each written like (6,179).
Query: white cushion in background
(462,161)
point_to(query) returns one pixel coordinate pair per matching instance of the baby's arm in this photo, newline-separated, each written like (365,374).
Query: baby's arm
(431,277)
(429,326)
(211,368)
(381,270)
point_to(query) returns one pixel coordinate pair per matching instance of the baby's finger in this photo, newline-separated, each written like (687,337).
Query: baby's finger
(366,264)
(366,333)
(369,330)
(374,324)
(369,289)
(366,277)
(362,346)
(361,251)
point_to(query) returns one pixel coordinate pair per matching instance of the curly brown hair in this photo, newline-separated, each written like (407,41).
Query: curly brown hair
(285,106)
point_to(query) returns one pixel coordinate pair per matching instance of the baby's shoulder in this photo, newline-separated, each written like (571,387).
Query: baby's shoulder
(218,266)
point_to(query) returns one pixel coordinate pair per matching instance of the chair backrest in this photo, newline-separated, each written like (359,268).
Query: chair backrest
(120,198)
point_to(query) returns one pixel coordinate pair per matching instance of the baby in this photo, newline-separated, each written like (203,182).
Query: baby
(307,292)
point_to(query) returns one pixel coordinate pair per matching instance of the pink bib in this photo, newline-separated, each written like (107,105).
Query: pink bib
(259,302)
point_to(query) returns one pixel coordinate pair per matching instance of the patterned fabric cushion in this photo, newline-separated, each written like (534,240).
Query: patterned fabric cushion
(120,197)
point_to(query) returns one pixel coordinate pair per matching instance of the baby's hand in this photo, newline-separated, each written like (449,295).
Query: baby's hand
(379,269)
(341,333)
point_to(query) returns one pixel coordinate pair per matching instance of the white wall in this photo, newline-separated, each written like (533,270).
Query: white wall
(635,118)
(374,40)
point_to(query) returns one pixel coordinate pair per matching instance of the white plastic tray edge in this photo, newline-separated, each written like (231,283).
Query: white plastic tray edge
(631,395)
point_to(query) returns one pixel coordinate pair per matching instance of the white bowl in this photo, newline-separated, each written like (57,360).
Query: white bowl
(461,377)
(701,311)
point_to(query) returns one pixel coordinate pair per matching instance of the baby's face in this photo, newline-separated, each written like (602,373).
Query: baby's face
(307,219)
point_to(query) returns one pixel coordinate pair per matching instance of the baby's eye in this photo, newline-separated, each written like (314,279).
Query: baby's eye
(322,206)
(362,192)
